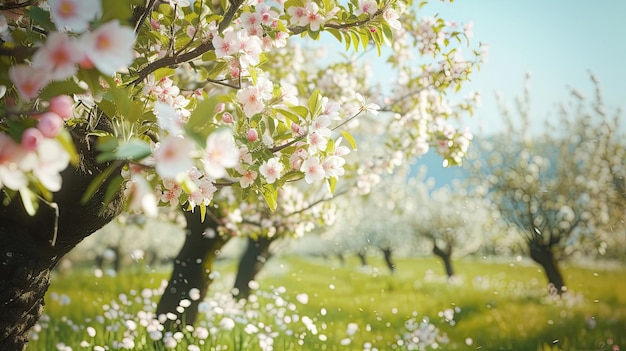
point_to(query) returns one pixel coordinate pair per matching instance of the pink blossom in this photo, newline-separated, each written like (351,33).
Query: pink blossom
(298,15)
(28,80)
(142,198)
(252,101)
(62,105)
(366,6)
(173,156)
(330,109)
(313,18)
(320,125)
(31,138)
(297,157)
(313,170)
(221,153)
(110,47)
(250,49)
(333,166)
(271,170)
(51,160)
(12,157)
(247,179)
(167,118)
(316,141)
(391,16)
(268,16)
(366,106)
(59,56)
(50,124)
(250,20)
(227,45)
(73,14)
(203,194)
(171,193)
(341,150)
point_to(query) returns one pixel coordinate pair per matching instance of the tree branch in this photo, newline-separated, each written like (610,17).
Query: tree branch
(144,15)
(14,6)
(172,60)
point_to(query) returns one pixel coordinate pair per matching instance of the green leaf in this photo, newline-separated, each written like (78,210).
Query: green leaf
(163,72)
(113,188)
(96,183)
(365,38)
(41,18)
(116,9)
(335,33)
(355,40)
(315,103)
(199,125)
(107,107)
(67,87)
(130,110)
(271,196)
(133,150)
(349,138)
(202,211)
(332,183)
(348,40)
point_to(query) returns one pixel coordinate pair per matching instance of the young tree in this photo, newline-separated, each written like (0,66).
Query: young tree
(560,188)
(138,104)
(453,220)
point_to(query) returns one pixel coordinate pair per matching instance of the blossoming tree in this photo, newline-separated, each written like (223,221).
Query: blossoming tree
(137,104)
(563,190)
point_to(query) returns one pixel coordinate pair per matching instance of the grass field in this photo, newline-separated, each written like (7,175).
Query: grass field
(313,304)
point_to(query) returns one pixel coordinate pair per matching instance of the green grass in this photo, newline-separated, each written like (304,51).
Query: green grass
(503,306)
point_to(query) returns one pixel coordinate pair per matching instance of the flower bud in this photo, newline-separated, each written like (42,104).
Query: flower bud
(220,107)
(50,124)
(227,117)
(62,106)
(253,135)
(31,139)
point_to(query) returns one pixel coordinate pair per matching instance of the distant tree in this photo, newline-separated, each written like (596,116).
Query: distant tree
(452,219)
(564,187)
(133,237)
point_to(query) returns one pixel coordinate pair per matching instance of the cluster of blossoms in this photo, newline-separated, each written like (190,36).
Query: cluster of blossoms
(198,98)
(34,146)
(39,152)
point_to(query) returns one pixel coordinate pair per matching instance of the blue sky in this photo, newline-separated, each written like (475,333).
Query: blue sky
(556,41)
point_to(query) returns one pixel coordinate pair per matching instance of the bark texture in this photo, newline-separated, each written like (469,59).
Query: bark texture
(192,269)
(252,261)
(446,256)
(388,255)
(362,255)
(543,255)
(29,250)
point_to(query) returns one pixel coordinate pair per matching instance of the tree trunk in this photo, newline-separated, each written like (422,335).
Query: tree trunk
(117,260)
(192,269)
(29,248)
(446,257)
(543,255)
(362,257)
(250,264)
(387,252)
(342,260)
